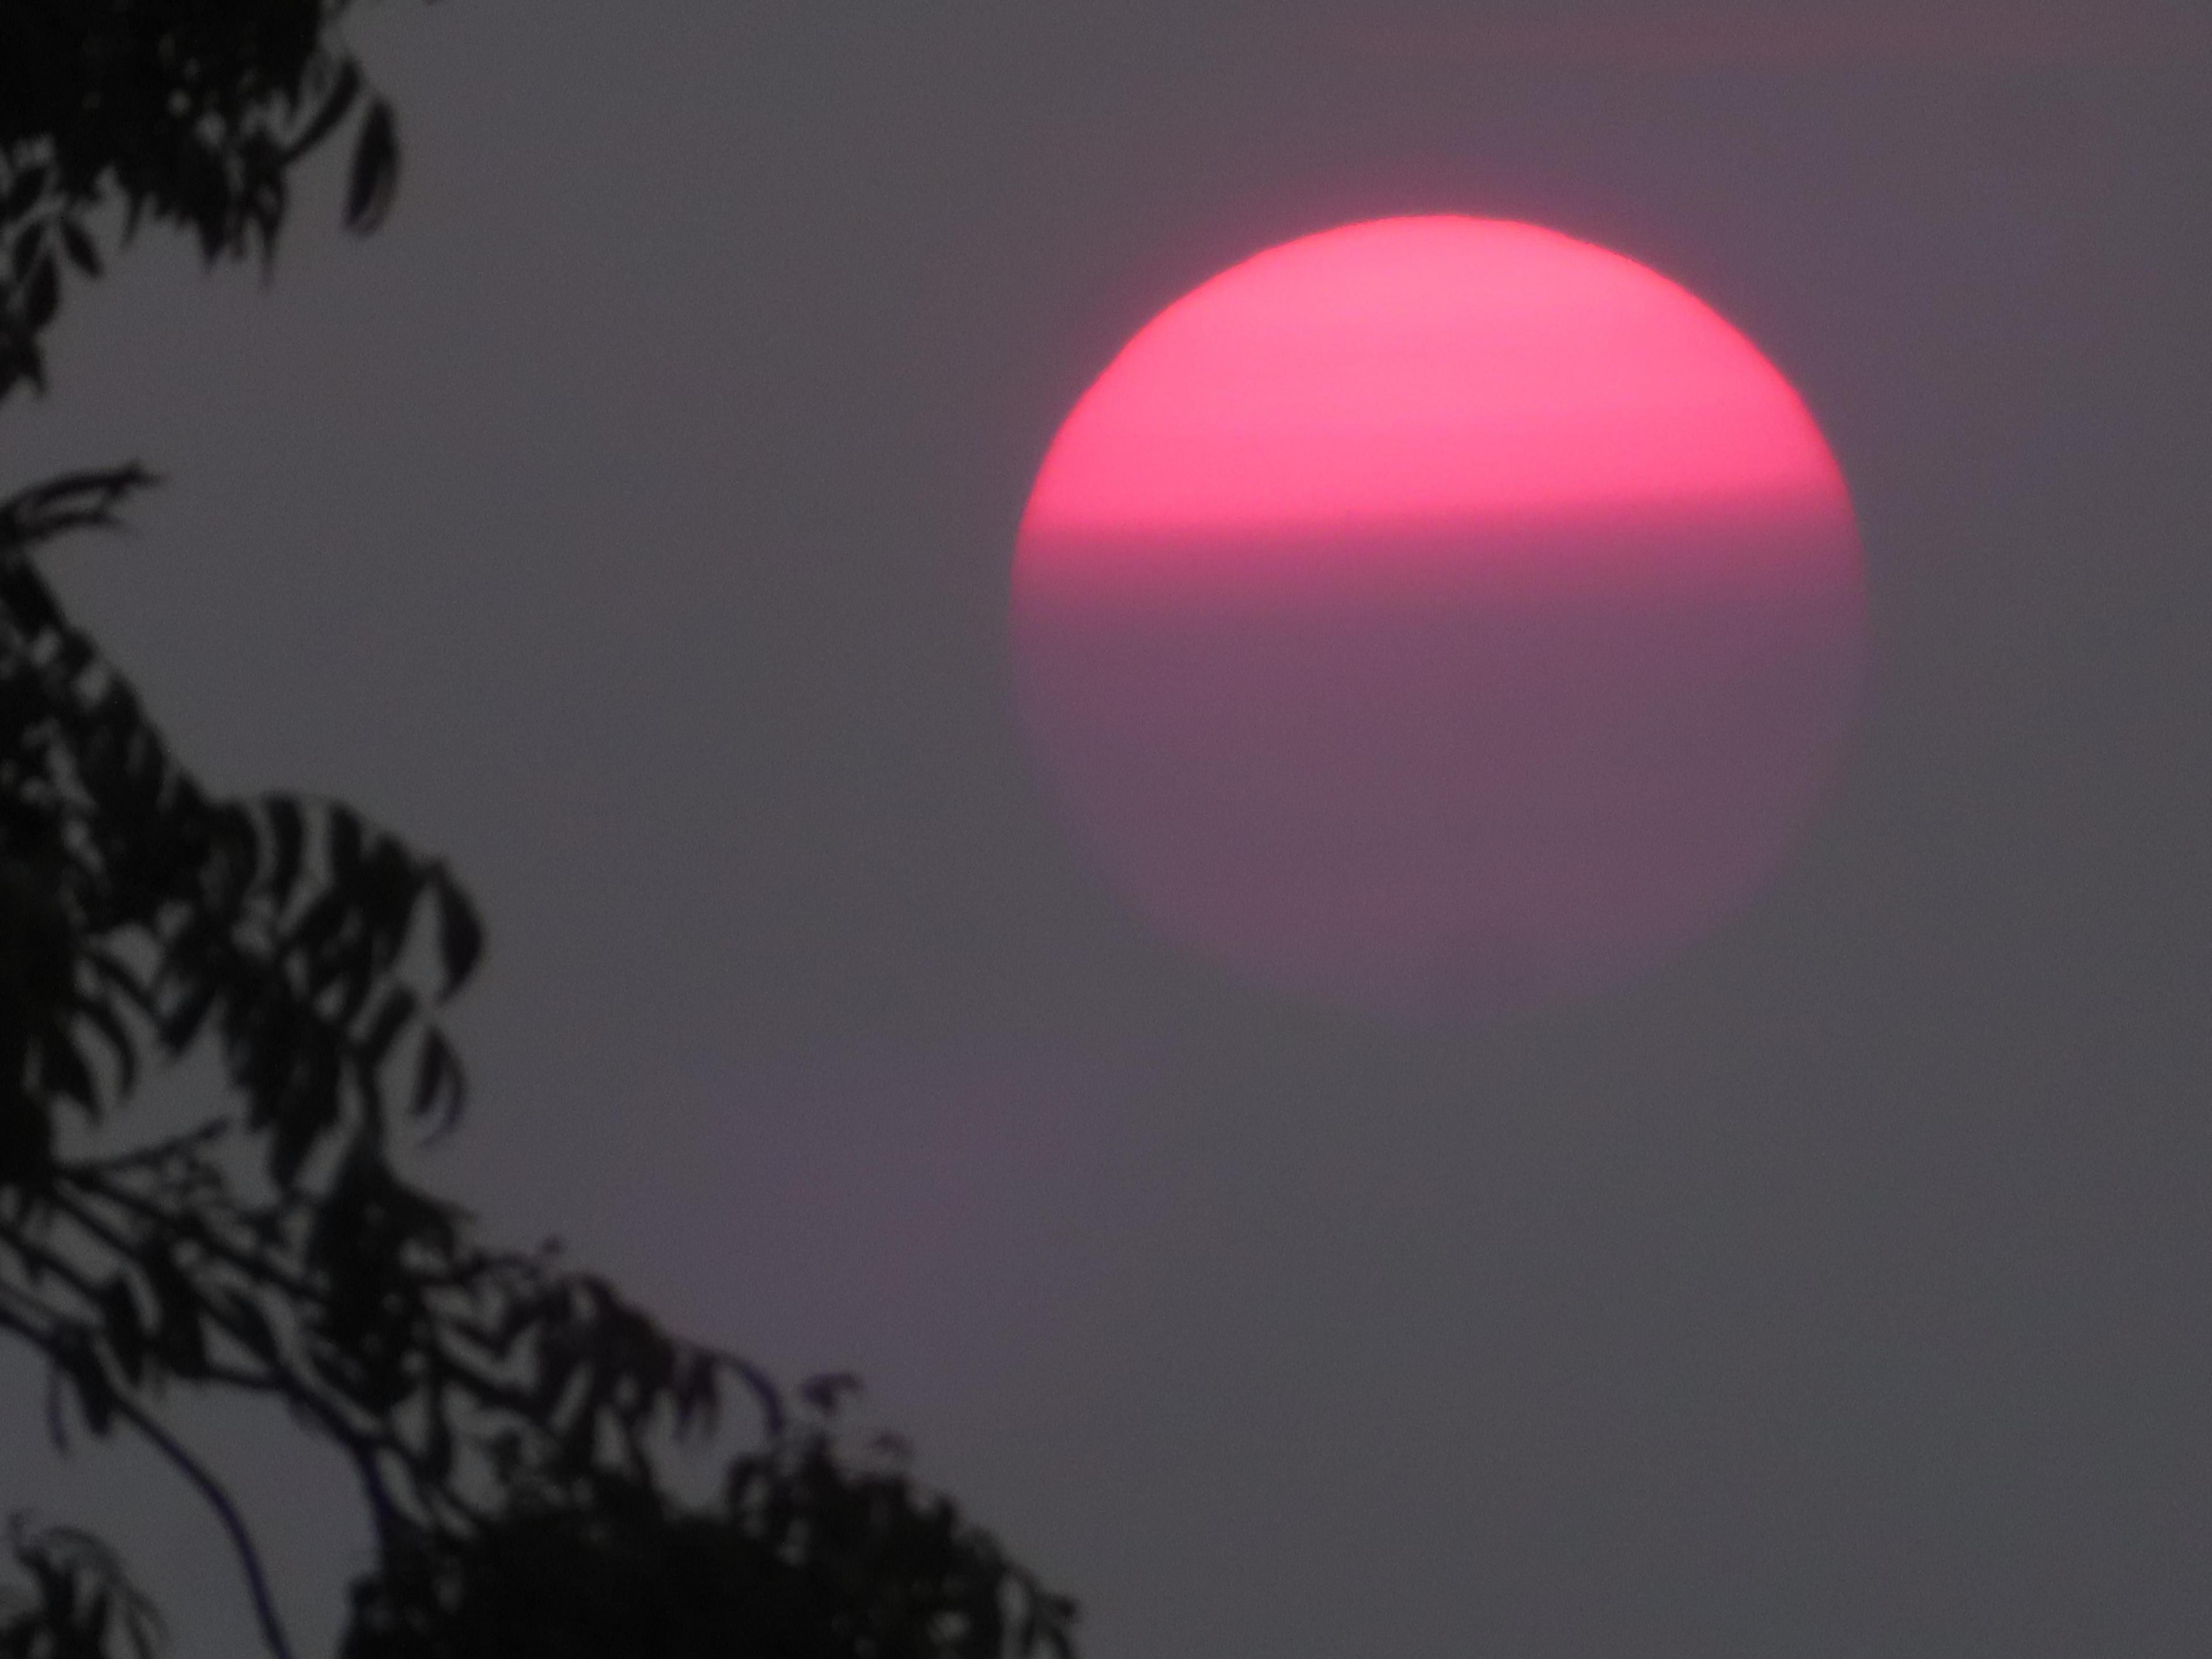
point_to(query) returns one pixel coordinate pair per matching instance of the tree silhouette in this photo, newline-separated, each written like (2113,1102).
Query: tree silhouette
(507,1419)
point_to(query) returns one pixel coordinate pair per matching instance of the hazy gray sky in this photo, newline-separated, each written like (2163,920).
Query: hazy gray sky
(631,521)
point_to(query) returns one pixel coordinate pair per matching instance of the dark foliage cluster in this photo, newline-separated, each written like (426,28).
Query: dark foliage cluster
(189,112)
(76,1603)
(508,1419)
(146,913)
(806,1557)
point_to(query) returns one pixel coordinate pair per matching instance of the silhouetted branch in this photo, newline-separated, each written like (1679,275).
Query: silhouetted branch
(507,1418)
(233,1524)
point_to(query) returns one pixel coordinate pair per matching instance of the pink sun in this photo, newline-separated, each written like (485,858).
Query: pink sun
(1439,616)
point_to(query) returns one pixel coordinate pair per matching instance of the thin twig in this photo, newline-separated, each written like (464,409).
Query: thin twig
(219,1499)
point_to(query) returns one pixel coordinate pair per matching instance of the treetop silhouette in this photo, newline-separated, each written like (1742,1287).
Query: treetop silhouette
(508,1418)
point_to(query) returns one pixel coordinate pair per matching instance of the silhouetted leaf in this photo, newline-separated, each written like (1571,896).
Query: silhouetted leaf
(374,177)
(82,253)
(26,251)
(288,832)
(460,935)
(23,191)
(438,1081)
(391,1017)
(42,293)
(828,1392)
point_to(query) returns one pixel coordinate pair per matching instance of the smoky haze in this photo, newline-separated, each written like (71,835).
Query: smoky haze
(632,521)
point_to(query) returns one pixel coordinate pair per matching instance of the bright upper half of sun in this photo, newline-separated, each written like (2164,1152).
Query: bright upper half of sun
(1425,370)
